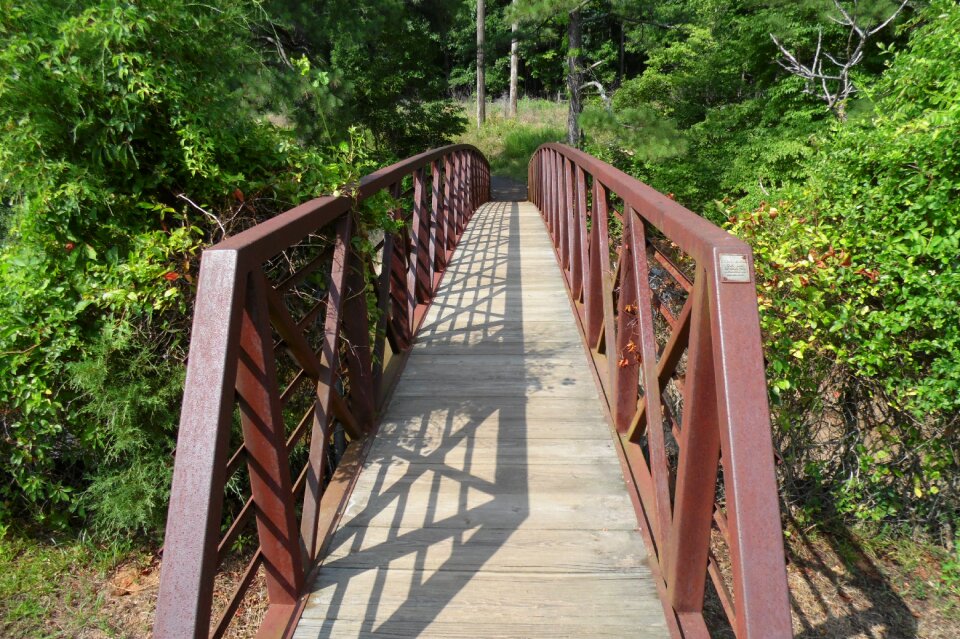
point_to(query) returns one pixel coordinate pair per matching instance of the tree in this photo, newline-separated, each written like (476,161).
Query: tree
(514,63)
(834,85)
(542,10)
(481,80)
(574,76)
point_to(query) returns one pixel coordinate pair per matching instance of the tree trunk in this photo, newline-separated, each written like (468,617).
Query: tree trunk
(573,78)
(622,54)
(514,61)
(481,78)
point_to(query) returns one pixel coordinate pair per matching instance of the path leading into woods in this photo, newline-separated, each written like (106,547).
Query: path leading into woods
(492,503)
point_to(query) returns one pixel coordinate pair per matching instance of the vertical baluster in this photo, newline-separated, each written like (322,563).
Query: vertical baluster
(659,469)
(697,466)
(438,258)
(326,386)
(264,438)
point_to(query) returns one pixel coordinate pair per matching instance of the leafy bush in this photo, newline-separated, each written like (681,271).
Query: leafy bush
(861,296)
(126,143)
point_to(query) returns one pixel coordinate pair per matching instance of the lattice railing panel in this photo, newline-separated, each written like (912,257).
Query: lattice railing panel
(287,370)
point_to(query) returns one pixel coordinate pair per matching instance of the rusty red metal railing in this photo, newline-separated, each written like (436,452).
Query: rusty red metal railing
(667,305)
(282,325)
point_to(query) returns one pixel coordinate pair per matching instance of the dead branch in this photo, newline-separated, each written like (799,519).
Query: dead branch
(834,85)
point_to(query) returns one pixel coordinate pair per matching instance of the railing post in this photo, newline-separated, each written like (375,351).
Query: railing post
(419,282)
(457,197)
(399,291)
(581,258)
(599,265)
(356,330)
(749,479)
(628,351)
(438,256)
(196,498)
(566,206)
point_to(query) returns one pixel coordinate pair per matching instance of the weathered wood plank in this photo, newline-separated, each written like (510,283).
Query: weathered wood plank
(492,503)
(489,549)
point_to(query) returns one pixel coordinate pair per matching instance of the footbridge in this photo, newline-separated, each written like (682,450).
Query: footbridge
(542,414)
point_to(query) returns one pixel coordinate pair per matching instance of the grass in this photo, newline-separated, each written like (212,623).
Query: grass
(55,587)
(508,142)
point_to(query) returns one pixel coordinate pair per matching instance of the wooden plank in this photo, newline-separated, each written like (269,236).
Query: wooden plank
(490,549)
(493,420)
(492,503)
(468,451)
(485,604)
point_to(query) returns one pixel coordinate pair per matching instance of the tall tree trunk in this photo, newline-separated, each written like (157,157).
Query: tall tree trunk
(514,61)
(622,54)
(481,78)
(574,79)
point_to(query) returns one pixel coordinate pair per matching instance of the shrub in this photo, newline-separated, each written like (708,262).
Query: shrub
(126,142)
(861,296)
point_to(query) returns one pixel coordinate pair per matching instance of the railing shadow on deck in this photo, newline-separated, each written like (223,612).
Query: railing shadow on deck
(287,369)
(441,526)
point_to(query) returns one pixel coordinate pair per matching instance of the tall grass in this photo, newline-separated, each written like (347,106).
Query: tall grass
(509,142)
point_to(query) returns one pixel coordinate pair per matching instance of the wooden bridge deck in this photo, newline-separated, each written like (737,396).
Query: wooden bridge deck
(492,503)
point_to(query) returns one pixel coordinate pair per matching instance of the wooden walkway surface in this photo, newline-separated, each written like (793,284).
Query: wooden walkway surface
(492,503)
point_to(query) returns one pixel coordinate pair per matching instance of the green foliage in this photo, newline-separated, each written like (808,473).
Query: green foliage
(509,143)
(635,132)
(383,61)
(124,146)
(129,397)
(861,306)
(51,588)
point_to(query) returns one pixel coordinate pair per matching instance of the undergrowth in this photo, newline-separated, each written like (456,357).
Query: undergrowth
(508,143)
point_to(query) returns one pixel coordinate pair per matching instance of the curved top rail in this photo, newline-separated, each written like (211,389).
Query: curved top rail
(673,328)
(268,345)
(692,233)
(268,238)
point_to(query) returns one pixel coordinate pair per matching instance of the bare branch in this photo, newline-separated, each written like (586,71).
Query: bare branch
(836,86)
(600,90)
(210,215)
(893,17)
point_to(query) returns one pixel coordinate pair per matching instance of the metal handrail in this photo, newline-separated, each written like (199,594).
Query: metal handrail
(667,305)
(233,365)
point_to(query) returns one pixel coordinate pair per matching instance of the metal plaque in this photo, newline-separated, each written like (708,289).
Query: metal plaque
(734,267)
